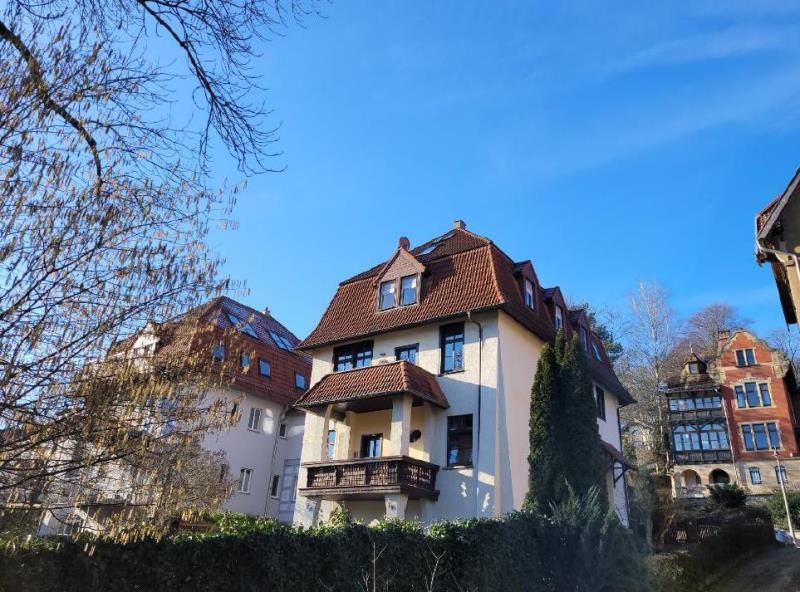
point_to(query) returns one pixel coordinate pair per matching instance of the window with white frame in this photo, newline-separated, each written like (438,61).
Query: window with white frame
(387,295)
(273,486)
(254,423)
(752,394)
(755,475)
(745,357)
(244,480)
(408,290)
(530,295)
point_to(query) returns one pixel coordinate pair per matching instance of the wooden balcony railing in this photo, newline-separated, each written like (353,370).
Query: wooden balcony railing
(701,456)
(370,478)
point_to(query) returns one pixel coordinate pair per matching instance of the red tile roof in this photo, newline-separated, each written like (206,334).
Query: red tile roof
(375,381)
(464,272)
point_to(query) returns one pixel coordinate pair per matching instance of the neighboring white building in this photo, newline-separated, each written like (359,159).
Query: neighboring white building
(420,386)
(263,377)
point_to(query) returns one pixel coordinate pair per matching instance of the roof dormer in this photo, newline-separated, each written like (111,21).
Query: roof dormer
(694,366)
(399,283)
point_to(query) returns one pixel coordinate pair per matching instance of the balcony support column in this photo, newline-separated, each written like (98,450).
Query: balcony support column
(399,438)
(396,505)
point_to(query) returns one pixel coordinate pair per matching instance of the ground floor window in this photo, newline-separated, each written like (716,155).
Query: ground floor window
(780,474)
(244,480)
(755,475)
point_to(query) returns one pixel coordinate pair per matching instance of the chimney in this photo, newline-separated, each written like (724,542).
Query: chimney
(724,334)
(459,224)
(403,243)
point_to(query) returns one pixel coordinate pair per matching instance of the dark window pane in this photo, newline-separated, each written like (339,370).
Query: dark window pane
(766,400)
(740,400)
(264,368)
(452,347)
(299,380)
(407,353)
(740,358)
(780,474)
(760,435)
(459,440)
(371,445)
(748,437)
(774,436)
(750,357)
(600,397)
(387,295)
(408,290)
(752,395)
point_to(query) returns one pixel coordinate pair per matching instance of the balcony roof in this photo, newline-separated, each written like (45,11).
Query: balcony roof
(372,382)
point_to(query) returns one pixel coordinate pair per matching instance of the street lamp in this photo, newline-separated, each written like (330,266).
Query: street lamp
(779,470)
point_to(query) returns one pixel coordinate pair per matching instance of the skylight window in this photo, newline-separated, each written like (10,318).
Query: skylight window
(596,351)
(280,340)
(246,328)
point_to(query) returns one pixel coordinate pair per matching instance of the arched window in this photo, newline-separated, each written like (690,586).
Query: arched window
(686,438)
(720,477)
(714,436)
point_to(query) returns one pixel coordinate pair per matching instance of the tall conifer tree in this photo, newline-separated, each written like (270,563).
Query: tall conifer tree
(543,469)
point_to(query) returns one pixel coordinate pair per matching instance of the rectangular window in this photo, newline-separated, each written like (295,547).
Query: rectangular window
(530,297)
(244,360)
(559,317)
(753,399)
(774,436)
(299,381)
(354,355)
(740,400)
(755,476)
(407,353)
(408,290)
(254,423)
(218,352)
(273,486)
(747,434)
(244,480)
(761,436)
(264,367)
(584,339)
(282,430)
(694,368)
(371,445)
(281,341)
(766,399)
(387,295)
(596,351)
(452,347)
(330,444)
(600,397)
(780,474)
(745,357)
(459,441)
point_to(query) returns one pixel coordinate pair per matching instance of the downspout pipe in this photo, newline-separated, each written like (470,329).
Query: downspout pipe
(276,430)
(476,462)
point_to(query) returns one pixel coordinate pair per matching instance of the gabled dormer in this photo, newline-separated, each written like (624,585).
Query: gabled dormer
(580,323)
(557,306)
(694,368)
(528,284)
(399,283)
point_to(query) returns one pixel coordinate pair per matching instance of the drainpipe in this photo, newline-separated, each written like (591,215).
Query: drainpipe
(624,483)
(277,427)
(476,463)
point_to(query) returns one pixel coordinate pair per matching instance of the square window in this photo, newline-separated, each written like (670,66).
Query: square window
(244,480)
(264,367)
(452,347)
(254,422)
(407,353)
(408,290)
(218,352)
(459,440)
(755,476)
(299,381)
(387,300)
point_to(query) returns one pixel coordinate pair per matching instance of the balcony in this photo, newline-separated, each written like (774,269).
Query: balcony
(689,457)
(694,414)
(370,478)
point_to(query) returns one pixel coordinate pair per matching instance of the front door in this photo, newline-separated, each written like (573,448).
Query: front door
(371,445)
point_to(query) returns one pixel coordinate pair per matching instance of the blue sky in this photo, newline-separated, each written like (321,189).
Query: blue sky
(633,141)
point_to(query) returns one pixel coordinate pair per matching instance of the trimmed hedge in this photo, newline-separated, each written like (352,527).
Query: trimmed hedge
(741,533)
(520,552)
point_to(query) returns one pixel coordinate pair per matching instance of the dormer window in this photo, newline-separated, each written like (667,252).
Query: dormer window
(596,351)
(694,368)
(408,290)
(745,357)
(530,297)
(559,317)
(387,295)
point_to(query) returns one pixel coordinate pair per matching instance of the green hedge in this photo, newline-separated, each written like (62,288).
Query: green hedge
(742,532)
(520,552)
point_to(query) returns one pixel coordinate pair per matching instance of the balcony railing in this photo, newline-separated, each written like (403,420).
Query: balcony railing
(701,456)
(371,478)
(689,414)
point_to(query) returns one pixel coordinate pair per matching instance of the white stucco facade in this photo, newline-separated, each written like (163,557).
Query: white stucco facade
(494,387)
